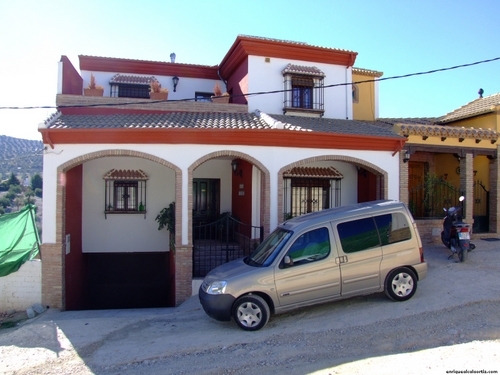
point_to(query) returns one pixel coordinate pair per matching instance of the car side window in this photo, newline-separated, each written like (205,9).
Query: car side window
(358,235)
(393,228)
(310,247)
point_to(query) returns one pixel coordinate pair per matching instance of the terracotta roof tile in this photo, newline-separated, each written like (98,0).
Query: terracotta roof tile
(477,107)
(216,120)
(132,79)
(314,172)
(367,72)
(298,69)
(125,174)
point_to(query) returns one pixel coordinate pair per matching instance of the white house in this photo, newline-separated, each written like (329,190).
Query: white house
(286,143)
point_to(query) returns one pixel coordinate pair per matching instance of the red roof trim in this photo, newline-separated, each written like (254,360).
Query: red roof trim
(247,137)
(108,64)
(246,46)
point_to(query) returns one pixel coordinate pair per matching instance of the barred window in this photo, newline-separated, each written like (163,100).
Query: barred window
(125,192)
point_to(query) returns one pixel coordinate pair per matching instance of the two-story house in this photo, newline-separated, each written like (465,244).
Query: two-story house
(293,138)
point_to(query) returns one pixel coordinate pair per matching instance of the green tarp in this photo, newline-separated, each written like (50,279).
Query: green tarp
(19,240)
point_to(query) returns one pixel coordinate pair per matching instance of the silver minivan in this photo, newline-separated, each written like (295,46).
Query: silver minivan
(319,257)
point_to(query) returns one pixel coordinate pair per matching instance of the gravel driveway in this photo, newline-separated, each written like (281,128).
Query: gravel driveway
(452,323)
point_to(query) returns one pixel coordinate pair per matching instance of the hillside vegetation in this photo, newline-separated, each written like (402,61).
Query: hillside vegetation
(22,157)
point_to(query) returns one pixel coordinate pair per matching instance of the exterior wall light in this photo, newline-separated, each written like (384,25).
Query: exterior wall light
(406,157)
(175,81)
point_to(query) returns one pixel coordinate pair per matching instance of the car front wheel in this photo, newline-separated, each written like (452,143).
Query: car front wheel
(251,312)
(401,284)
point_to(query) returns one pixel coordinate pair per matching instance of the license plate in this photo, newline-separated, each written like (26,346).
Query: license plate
(463,235)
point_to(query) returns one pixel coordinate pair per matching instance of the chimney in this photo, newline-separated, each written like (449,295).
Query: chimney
(172,57)
(480,92)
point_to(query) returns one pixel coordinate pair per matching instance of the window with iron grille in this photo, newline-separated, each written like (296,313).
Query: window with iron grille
(303,89)
(203,96)
(125,192)
(302,92)
(125,195)
(304,195)
(121,90)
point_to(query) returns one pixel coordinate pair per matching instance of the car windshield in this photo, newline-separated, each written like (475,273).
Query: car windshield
(267,251)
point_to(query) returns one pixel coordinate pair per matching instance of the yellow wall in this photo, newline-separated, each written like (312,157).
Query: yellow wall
(488,121)
(364,109)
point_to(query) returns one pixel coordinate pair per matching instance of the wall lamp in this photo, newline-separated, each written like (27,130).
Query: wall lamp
(406,156)
(175,81)
(235,165)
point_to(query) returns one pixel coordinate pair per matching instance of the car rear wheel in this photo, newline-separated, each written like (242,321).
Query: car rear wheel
(401,284)
(251,312)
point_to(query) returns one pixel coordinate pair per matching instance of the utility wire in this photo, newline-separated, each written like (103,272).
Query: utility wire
(267,92)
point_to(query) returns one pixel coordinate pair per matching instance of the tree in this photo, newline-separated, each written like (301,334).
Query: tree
(30,197)
(36,182)
(13,180)
(4,202)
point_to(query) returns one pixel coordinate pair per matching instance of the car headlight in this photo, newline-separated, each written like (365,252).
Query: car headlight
(217,287)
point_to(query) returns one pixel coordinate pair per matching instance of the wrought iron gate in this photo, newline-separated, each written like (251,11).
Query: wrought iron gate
(481,211)
(222,241)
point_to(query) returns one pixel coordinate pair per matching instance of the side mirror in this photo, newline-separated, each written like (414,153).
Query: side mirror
(288,261)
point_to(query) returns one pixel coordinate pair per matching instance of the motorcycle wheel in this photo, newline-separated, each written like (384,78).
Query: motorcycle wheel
(462,255)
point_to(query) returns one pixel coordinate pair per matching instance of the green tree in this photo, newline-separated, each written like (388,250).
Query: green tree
(29,197)
(10,196)
(16,189)
(36,182)
(4,202)
(13,180)
(38,192)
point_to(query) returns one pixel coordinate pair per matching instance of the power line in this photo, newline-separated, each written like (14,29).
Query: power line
(268,92)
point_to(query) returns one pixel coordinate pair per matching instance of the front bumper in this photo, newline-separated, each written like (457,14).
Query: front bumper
(217,306)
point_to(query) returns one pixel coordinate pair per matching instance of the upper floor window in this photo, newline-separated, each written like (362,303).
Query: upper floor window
(303,89)
(203,96)
(127,86)
(302,92)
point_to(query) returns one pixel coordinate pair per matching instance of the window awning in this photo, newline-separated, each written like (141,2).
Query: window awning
(303,70)
(313,172)
(131,79)
(126,174)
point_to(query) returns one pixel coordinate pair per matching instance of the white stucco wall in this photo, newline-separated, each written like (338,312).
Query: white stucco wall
(273,158)
(186,87)
(99,232)
(266,76)
(23,288)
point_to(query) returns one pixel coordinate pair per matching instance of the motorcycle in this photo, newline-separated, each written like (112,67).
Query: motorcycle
(456,234)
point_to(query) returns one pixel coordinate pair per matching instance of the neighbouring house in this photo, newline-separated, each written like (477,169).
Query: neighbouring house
(450,156)
(294,136)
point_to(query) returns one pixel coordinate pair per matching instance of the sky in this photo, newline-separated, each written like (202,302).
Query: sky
(395,37)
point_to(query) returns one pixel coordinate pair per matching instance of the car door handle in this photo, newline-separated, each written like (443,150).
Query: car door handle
(342,259)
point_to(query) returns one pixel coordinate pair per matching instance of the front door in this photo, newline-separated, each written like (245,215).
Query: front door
(206,200)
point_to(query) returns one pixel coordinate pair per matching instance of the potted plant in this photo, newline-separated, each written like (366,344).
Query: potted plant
(157,92)
(219,96)
(93,89)
(166,219)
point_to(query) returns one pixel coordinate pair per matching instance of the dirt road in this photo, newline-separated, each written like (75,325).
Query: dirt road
(452,323)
